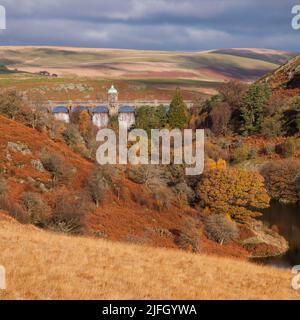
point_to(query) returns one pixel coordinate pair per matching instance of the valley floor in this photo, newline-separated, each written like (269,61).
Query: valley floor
(42,265)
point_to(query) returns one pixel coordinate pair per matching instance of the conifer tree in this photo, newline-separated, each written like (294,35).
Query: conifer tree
(178,114)
(253,107)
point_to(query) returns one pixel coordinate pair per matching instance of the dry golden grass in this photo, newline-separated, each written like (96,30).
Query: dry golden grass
(41,265)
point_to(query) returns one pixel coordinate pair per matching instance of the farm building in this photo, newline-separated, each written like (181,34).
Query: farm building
(61,113)
(126,117)
(100,117)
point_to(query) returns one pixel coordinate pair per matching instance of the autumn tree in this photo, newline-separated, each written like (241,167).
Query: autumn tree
(232,92)
(253,107)
(282,180)
(233,192)
(178,114)
(98,184)
(85,123)
(11,104)
(220,117)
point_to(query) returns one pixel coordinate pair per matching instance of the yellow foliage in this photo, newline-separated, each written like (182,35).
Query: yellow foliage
(233,191)
(220,164)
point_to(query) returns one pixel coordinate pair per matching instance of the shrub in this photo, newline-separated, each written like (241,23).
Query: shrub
(289,147)
(55,164)
(139,174)
(98,184)
(39,212)
(220,229)
(270,149)
(271,127)
(240,154)
(184,193)
(14,209)
(70,212)
(281,179)
(188,242)
(3,186)
(162,198)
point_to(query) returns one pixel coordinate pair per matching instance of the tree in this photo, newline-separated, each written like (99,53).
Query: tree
(85,123)
(253,107)
(282,180)
(178,114)
(11,104)
(151,118)
(220,117)
(98,185)
(233,92)
(233,192)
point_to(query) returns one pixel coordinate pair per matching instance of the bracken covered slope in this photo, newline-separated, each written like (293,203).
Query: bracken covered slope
(117,219)
(286,77)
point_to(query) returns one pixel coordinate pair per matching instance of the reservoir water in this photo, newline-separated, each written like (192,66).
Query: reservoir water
(287,220)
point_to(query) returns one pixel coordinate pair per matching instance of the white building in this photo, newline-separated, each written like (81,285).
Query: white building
(113,100)
(100,117)
(61,113)
(126,117)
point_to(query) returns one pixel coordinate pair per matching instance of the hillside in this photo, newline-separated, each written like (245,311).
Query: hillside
(286,77)
(50,266)
(138,74)
(130,217)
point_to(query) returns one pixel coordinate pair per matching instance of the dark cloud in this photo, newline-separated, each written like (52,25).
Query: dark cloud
(151,24)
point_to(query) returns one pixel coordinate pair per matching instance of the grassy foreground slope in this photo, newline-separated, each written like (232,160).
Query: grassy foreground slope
(41,265)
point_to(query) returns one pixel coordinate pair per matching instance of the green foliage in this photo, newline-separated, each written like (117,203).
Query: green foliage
(289,147)
(178,114)
(253,107)
(240,154)
(271,126)
(151,118)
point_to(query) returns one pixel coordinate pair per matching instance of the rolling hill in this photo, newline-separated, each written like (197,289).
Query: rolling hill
(138,74)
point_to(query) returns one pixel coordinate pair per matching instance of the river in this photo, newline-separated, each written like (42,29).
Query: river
(287,219)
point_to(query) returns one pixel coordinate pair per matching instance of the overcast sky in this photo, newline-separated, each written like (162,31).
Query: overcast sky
(151,24)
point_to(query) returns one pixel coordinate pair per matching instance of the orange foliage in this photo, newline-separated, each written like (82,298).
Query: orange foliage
(232,192)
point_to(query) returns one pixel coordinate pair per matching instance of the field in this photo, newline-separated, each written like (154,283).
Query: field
(52,266)
(85,74)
